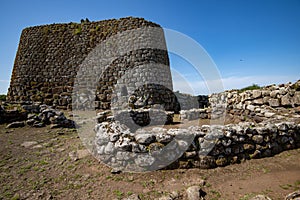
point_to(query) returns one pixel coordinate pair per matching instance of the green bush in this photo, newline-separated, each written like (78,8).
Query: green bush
(77,31)
(251,87)
(2,97)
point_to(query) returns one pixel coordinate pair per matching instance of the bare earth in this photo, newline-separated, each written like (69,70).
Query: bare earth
(55,165)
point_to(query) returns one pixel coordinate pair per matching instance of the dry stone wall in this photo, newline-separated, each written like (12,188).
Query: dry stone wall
(211,145)
(255,105)
(268,130)
(49,58)
(263,103)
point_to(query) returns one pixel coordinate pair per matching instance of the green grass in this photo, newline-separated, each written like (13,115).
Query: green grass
(247,196)
(16,197)
(118,193)
(129,193)
(294,186)
(286,186)
(43,162)
(216,194)
(25,169)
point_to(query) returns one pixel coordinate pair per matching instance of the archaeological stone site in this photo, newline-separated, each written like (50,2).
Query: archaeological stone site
(120,69)
(49,58)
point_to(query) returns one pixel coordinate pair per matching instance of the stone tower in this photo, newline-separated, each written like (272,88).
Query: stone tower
(50,57)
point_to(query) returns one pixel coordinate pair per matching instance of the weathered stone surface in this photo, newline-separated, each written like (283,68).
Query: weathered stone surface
(212,146)
(109,149)
(286,100)
(256,94)
(258,101)
(50,74)
(251,107)
(144,160)
(194,193)
(261,197)
(15,125)
(132,197)
(296,98)
(269,114)
(145,138)
(28,144)
(274,102)
(293,196)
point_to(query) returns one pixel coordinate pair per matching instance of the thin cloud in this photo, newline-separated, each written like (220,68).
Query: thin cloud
(201,87)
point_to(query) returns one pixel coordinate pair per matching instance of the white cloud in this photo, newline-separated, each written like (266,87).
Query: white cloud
(201,87)
(5,81)
(240,82)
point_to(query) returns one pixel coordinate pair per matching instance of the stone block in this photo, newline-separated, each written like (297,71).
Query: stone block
(256,94)
(286,100)
(274,102)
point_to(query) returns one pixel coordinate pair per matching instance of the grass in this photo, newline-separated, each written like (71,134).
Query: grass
(247,196)
(25,169)
(207,185)
(216,194)
(149,183)
(118,193)
(294,186)
(16,197)
(286,186)
(43,162)
(297,183)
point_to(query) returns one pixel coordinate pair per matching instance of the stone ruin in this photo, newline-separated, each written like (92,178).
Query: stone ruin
(49,58)
(261,129)
(135,129)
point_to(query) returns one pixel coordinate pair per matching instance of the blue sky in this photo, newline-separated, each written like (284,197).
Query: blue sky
(250,41)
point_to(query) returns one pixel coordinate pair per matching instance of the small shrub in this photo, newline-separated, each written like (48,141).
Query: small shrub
(251,87)
(2,97)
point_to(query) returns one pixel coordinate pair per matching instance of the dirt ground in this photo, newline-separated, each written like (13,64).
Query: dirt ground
(41,163)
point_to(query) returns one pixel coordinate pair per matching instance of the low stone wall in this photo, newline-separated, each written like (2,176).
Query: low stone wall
(256,102)
(255,105)
(188,101)
(211,146)
(268,130)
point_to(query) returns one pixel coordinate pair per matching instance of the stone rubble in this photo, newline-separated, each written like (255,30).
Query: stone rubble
(40,116)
